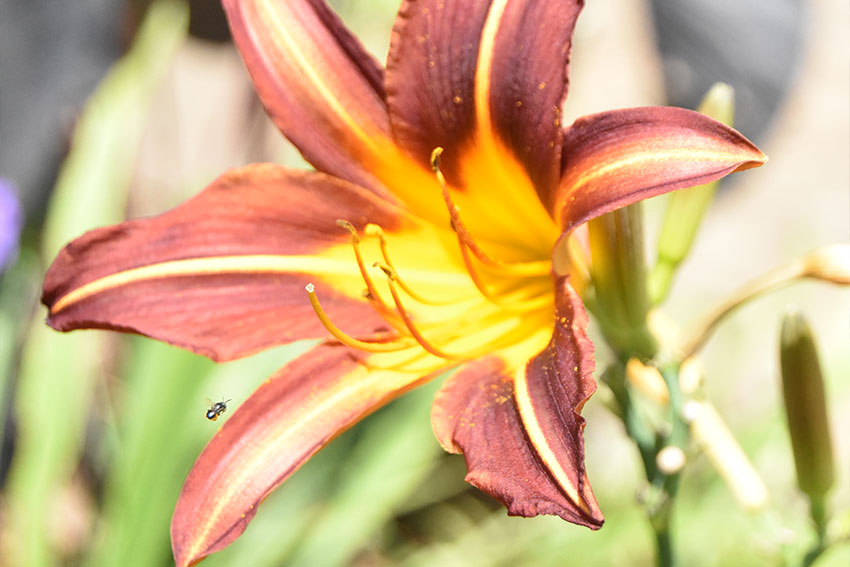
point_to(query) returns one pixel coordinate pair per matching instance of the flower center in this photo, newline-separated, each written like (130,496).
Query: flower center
(512,298)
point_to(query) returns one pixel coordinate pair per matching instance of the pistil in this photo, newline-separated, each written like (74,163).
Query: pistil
(527,269)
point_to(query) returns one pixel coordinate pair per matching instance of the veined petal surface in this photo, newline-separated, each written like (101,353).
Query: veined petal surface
(519,424)
(613,159)
(322,88)
(485,81)
(485,69)
(284,422)
(224,273)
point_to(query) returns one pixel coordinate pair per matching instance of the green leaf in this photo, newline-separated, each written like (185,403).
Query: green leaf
(58,373)
(394,454)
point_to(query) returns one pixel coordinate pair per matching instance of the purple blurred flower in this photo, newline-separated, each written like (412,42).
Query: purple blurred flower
(11,221)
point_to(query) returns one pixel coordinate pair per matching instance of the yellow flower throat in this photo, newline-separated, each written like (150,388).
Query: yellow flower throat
(512,300)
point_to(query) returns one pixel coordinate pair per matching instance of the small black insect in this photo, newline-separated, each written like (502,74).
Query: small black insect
(216,410)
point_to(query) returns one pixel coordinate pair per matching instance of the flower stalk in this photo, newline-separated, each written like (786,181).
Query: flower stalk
(828,263)
(653,444)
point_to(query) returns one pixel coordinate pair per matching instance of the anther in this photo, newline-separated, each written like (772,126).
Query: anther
(390,346)
(388,271)
(435,161)
(350,228)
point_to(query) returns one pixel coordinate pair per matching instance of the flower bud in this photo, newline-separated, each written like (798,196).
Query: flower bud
(671,459)
(805,407)
(829,263)
(685,208)
(618,272)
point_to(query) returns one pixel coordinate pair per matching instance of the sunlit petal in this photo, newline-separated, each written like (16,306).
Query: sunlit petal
(616,158)
(479,79)
(321,87)
(224,273)
(284,422)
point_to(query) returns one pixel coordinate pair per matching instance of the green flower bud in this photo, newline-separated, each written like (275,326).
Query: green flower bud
(618,273)
(805,406)
(685,208)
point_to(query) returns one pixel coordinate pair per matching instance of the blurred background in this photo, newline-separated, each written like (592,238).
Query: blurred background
(112,109)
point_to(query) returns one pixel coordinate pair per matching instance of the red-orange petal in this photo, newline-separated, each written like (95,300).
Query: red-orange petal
(458,71)
(616,158)
(322,88)
(520,429)
(224,273)
(284,422)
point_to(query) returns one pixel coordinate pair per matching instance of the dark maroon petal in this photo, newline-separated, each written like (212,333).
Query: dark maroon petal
(322,88)
(520,429)
(616,158)
(481,72)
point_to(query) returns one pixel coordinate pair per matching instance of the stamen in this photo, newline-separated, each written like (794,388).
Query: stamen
(473,274)
(348,340)
(375,230)
(504,301)
(408,322)
(535,268)
(371,293)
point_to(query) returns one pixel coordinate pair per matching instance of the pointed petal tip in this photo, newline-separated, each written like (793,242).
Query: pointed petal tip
(277,429)
(591,517)
(615,158)
(757,160)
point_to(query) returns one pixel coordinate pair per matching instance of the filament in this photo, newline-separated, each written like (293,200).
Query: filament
(408,322)
(375,230)
(342,337)
(538,267)
(371,292)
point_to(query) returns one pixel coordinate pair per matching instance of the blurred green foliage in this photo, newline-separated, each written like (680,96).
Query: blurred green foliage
(106,428)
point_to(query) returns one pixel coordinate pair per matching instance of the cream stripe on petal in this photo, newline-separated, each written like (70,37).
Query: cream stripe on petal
(484,67)
(637,159)
(247,264)
(358,384)
(539,442)
(302,61)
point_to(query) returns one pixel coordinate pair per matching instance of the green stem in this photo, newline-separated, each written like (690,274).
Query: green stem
(661,514)
(648,444)
(636,426)
(664,557)
(819,516)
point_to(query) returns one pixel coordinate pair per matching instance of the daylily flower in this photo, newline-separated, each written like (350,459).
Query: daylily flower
(406,262)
